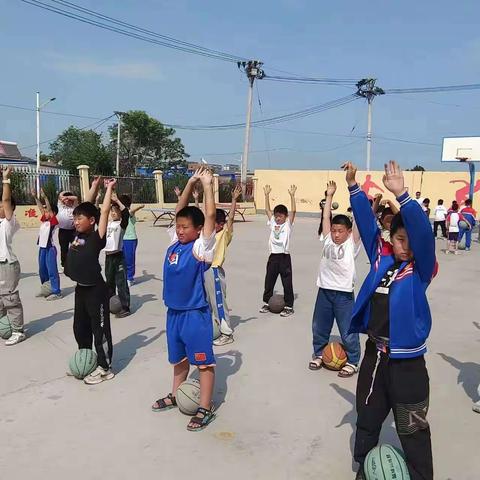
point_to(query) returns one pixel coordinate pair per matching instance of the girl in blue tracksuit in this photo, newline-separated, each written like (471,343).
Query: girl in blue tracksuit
(392,309)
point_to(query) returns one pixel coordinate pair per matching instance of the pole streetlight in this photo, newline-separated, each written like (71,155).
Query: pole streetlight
(119,126)
(254,72)
(37,109)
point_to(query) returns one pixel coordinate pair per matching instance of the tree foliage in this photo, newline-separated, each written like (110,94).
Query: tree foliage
(417,168)
(146,142)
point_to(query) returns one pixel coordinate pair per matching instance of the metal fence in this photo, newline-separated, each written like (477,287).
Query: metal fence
(140,189)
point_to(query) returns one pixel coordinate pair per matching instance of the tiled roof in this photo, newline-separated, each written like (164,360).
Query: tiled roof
(9,150)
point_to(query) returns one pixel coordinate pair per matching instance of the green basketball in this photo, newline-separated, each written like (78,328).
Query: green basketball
(5,327)
(83,362)
(385,462)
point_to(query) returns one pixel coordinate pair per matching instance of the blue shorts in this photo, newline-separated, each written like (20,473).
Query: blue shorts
(190,335)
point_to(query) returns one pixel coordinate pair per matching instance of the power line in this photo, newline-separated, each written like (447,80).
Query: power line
(123,28)
(447,88)
(50,112)
(311,80)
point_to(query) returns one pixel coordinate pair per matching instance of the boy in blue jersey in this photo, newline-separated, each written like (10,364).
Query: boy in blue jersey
(470,216)
(189,318)
(392,309)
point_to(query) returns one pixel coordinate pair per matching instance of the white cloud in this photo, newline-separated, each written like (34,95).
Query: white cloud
(84,66)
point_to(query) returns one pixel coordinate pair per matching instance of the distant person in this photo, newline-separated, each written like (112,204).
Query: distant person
(426,207)
(440,214)
(279,261)
(470,216)
(418,198)
(130,239)
(47,255)
(10,303)
(453,227)
(67,202)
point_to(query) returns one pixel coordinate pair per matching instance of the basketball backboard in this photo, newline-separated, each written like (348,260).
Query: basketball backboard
(457,149)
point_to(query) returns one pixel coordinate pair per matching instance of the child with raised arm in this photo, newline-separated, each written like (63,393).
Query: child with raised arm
(130,239)
(10,303)
(392,309)
(215,283)
(279,261)
(335,282)
(67,201)
(47,254)
(189,318)
(91,318)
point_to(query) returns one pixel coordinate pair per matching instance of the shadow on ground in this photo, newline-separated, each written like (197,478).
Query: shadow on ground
(126,349)
(136,301)
(146,277)
(468,375)
(40,325)
(235,320)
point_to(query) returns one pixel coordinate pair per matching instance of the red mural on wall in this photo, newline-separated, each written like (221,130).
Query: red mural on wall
(464,192)
(368,185)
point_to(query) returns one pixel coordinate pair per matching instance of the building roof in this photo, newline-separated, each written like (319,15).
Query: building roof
(9,150)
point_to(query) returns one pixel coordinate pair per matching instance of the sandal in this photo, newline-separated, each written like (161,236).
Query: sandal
(348,370)
(161,405)
(315,364)
(199,423)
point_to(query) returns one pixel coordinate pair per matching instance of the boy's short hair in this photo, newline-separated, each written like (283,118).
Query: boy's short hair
(87,209)
(281,209)
(67,194)
(341,219)
(115,207)
(440,201)
(126,199)
(397,224)
(426,201)
(220,216)
(386,211)
(468,202)
(194,214)
(454,205)
(54,208)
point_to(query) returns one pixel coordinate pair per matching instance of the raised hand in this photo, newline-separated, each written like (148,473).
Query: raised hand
(110,183)
(177,191)
(351,171)
(197,174)
(6,172)
(393,178)
(292,190)
(196,193)
(378,197)
(206,177)
(267,189)
(331,188)
(236,192)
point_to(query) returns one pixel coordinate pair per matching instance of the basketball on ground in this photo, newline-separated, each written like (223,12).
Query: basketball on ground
(276,303)
(334,356)
(463,225)
(188,396)
(115,304)
(83,362)
(385,462)
(5,328)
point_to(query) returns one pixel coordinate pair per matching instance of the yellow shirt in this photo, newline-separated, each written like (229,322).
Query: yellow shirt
(222,241)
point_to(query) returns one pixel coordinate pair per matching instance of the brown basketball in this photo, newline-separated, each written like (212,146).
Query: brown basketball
(334,356)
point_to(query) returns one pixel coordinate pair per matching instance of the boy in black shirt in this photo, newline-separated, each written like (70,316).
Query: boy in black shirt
(91,315)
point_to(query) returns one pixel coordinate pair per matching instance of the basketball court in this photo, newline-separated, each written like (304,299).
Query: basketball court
(276,418)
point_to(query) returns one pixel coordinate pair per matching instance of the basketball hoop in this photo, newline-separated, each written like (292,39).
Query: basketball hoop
(463,159)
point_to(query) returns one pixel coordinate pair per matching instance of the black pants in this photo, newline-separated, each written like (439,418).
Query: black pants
(91,320)
(442,225)
(401,385)
(65,238)
(279,264)
(116,276)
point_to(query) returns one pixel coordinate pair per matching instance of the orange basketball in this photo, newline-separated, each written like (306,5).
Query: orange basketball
(334,356)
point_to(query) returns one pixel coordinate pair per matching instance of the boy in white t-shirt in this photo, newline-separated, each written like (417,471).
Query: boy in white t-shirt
(47,255)
(336,279)
(279,261)
(440,213)
(10,303)
(453,227)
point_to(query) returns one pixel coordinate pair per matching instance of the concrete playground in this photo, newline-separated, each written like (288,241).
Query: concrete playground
(276,419)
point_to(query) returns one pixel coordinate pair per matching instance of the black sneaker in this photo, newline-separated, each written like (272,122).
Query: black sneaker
(123,313)
(286,312)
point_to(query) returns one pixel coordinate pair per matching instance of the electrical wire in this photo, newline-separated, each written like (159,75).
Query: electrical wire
(50,112)
(311,80)
(126,29)
(447,88)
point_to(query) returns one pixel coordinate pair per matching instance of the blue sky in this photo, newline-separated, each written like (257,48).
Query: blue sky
(93,72)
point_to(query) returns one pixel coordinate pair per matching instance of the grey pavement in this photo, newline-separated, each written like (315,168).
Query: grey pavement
(276,419)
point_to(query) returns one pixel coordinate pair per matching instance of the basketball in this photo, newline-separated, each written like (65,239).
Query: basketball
(334,356)
(83,362)
(216,329)
(115,304)
(334,205)
(276,303)
(46,289)
(385,462)
(463,225)
(5,328)
(188,396)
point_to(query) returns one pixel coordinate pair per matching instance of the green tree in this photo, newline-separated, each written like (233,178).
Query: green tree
(76,147)
(146,142)
(416,168)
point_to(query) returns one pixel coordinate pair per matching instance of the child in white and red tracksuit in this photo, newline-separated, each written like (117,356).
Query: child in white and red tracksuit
(392,309)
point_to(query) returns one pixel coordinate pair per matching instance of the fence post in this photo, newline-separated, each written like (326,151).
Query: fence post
(254,191)
(84,180)
(216,192)
(159,186)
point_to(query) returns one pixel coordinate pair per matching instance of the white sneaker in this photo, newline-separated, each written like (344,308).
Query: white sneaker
(54,296)
(476,407)
(15,338)
(223,340)
(131,283)
(99,375)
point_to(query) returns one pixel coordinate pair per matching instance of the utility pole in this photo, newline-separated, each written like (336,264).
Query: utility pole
(366,88)
(37,110)
(119,126)
(253,69)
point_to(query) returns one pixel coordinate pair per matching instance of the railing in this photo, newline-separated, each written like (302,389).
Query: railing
(140,189)
(226,185)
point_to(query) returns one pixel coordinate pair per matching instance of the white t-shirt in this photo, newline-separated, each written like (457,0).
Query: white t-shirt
(65,217)
(419,201)
(8,228)
(453,222)
(279,241)
(440,213)
(114,238)
(337,265)
(203,248)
